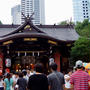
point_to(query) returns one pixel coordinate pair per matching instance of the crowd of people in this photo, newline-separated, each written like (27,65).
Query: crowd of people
(37,80)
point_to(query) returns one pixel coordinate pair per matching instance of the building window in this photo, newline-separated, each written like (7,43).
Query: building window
(83,7)
(84,16)
(83,4)
(87,16)
(87,7)
(82,1)
(85,1)
(83,13)
(86,10)
(87,13)
(83,10)
(86,4)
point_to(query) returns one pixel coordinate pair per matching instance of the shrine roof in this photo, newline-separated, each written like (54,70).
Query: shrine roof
(59,32)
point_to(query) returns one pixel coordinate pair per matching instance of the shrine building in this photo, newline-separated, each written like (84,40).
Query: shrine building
(21,45)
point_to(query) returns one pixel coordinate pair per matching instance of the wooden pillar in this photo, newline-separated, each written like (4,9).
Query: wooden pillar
(57,59)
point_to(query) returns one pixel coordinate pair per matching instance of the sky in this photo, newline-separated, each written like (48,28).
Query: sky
(55,10)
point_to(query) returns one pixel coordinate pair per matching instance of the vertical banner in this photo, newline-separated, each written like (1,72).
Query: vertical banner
(1,63)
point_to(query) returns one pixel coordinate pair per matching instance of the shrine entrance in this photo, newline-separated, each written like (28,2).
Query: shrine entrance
(23,52)
(23,62)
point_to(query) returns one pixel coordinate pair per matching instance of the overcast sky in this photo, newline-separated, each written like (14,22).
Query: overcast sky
(55,10)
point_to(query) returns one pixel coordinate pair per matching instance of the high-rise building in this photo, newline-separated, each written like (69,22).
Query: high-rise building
(81,10)
(16,14)
(33,6)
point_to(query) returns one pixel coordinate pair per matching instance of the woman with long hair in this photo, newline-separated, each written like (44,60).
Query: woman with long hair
(8,82)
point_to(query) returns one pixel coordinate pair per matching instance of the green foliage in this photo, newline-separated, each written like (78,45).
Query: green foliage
(65,23)
(81,48)
(0,22)
(83,29)
(85,32)
(78,26)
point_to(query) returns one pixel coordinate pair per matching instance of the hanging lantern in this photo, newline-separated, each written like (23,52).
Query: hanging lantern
(8,62)
(51,60)
(25,53)
(33,53)
(38,53)
(18,54)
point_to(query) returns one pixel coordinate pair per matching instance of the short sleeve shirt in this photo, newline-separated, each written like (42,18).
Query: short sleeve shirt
(80,80)
(38,82)
(67,83)
(56,80)
(1,83)
(8,83)
(22,83)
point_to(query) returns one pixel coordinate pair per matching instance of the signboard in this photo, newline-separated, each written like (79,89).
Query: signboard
(8,62)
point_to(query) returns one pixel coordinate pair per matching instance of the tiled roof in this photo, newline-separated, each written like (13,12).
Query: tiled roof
(63,33)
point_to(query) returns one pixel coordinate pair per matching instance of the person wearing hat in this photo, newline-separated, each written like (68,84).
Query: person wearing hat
(80,80)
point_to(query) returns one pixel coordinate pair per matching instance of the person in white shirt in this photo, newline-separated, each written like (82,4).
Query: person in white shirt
(67,79)
(28,73)
(16,77)
(1,83)
(15,81)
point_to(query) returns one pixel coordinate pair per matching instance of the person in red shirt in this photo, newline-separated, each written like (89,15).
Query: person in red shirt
(80,80)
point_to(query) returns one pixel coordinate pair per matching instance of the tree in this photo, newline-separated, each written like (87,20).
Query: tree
(81,48)
(85,32)
(0,22)
(63,23)
(66,23)
(83,29)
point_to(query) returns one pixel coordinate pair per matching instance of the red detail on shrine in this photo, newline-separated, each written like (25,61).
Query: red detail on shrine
(57,60)
(1,63)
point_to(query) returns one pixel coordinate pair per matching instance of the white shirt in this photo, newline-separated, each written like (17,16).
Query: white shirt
(1,83)
(67,83)
(31,73)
